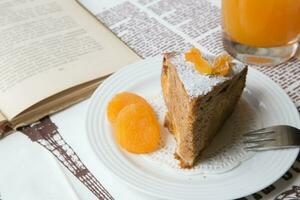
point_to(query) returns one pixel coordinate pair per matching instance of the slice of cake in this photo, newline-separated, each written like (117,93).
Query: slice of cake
(198,102)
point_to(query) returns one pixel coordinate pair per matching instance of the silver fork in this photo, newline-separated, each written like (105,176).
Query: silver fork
(274,137)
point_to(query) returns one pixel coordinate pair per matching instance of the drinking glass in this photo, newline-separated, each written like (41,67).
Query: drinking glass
(263,32)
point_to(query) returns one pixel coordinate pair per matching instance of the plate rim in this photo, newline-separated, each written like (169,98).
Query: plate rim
(132,66)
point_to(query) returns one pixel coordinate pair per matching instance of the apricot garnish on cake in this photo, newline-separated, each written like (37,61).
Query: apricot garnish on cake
(220,65)
(201,65)
(134,122)
(120,101)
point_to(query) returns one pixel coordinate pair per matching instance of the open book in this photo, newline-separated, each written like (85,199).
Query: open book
(53,53)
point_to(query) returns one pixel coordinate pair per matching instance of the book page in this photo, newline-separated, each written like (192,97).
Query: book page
(47,46)
(151,27)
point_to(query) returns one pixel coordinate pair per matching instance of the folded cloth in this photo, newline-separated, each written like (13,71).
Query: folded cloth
(30,172)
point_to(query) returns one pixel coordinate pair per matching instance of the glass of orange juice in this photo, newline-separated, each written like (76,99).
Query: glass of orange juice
(263,32)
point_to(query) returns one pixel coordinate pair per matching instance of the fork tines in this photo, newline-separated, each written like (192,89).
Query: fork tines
(258,132)
(273,137)
(258,138)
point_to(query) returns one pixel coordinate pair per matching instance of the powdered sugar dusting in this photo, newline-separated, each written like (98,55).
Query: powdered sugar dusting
(197,84)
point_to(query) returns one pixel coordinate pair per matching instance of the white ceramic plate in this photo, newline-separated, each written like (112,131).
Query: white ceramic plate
(269,100)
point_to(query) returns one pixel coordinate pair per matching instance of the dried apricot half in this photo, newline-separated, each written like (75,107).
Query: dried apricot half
(120,101)
(221,64)
(201,65)
(137,129)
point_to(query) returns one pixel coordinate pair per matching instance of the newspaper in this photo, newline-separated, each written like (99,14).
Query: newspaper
(151,27)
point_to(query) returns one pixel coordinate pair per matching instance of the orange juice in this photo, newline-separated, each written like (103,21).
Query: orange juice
(262,23)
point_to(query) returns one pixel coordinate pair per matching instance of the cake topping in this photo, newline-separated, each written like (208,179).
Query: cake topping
(220,65)
(201,65)
(196,83)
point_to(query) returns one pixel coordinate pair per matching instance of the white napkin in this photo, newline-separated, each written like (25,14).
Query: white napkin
(29,172)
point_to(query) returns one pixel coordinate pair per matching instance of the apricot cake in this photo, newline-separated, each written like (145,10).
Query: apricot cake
(200,93)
